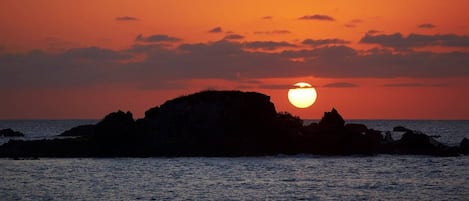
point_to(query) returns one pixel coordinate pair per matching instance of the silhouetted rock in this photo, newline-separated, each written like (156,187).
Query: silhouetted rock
(224,123)
(388,137)
(332,119)
(418,143)
(80,131)
(464,146)
(8,132)
(400,129)
(115,134)
(215,122)
(359,128)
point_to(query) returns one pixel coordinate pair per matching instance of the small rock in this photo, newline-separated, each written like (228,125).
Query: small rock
(10,133)
(464,146)
(400,129)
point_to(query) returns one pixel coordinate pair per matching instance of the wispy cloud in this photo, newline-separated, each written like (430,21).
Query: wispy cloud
(224,59)
(157,38)
(233,37)
(340,85)
(320,42)
(267,17)
(267,45)
(273,32)
(398,41)
(317,17)
(353,23)
(216,30)
(413,84)
(126,18)
(426,26)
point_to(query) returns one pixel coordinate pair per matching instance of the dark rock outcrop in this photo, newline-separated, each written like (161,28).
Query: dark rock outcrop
(332,119)
(413,142)
(400,129)
(8,132)
(464,146)
(224,123)
(79,131)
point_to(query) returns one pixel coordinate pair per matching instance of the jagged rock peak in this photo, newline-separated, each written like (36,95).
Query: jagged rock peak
(332,119)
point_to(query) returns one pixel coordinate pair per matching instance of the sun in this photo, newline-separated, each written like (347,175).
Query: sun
(303,95)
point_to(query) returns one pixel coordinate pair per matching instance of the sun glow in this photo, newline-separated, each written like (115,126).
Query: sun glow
(303,95)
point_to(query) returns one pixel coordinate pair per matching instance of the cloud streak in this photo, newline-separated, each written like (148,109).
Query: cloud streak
(216,30)
(233,37)
(273,32)
(398,41)
(157,38)
(317,17)
(149,64)
(426,26)
(126,18)
(268,45)
(332,41)
(340,85)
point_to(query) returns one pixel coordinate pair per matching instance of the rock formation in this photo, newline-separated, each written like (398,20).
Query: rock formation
(223,123)
(8,132)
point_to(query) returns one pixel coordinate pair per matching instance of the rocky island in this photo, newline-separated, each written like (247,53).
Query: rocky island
(224,123)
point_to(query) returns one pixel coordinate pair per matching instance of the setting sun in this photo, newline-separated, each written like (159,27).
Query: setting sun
(303,95)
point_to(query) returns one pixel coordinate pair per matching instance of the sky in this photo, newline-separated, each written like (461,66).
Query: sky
(388,59)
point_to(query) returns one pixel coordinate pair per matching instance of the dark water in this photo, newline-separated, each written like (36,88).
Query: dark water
(382,177)
(303,177)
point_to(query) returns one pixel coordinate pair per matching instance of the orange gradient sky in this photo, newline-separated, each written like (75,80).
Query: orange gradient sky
(369,59)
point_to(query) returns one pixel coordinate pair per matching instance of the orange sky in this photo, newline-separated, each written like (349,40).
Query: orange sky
(369,59)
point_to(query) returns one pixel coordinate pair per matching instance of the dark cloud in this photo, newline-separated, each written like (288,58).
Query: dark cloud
(233,37)
(273,32)
(75,67)
(372,32)
(398,41)
(157,38)
(216,30)
(267,17)
(267,45)
(126,18)
(224,59)
(413,84)
(317,17)
(426,26)
(320,42)
(340,85)
(275,86)
(353,23)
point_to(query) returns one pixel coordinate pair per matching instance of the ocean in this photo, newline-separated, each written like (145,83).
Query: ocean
(298,177)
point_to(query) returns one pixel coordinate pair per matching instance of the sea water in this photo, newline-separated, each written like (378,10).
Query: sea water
(299,177)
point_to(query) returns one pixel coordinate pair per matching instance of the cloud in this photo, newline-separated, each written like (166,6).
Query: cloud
(426,26)
(372,32)
(275,86)
(267,45)
(340,85)
(353,23)
(72,68)
(126,18)
(317,17)
(233,37)
(157,38)
(320,42)
(398,41)
(151,65)
(215,30)
(267,17)
(273,32)
(413,84)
